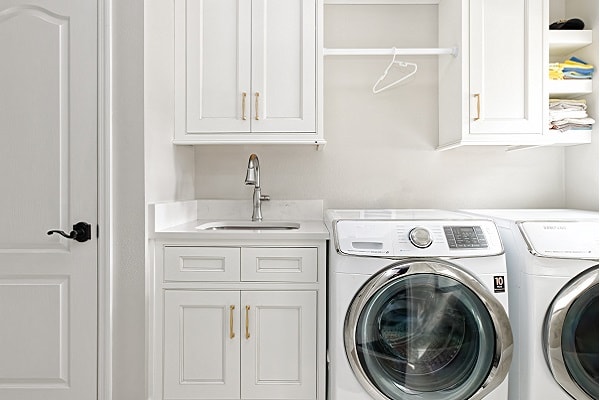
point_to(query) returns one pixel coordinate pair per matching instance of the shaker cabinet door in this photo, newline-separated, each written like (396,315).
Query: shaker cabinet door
(279,350)
(201,344)
(506,71)
(212,66)
(283,66)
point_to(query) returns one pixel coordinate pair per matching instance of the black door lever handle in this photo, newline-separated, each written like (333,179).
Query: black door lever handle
(82,232)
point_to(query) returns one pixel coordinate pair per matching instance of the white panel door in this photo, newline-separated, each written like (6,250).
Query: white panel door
(212,66)
(48,180)
(506,71)
(283,66)
(279,346)
(202,345)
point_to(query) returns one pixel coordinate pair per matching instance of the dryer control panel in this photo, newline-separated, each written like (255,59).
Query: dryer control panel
(417,238)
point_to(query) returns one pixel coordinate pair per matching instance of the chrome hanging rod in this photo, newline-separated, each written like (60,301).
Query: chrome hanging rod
(390,51)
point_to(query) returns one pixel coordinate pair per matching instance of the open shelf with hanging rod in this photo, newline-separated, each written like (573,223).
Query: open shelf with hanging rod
(391,51)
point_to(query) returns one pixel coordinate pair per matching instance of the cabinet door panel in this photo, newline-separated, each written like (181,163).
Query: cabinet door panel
(201,358)
(279,356)
(506,71)
(212,65)
(283,65)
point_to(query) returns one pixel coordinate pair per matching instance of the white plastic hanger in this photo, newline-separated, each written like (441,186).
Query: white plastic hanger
(401,64)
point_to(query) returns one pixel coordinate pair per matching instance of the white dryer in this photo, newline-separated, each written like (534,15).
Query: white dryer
(417,307)
(552,260)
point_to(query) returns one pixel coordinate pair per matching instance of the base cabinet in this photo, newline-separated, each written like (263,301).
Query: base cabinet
(234,321)
(240,344)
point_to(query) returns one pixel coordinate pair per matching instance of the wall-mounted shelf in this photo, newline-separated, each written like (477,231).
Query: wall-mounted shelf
(391,51)
(561,139)
(565,42)
(568,138)
(569,87)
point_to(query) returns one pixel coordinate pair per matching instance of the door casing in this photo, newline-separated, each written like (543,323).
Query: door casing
(105,244)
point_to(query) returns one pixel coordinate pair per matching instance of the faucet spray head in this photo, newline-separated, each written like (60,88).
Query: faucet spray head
(252,174)
(250,177)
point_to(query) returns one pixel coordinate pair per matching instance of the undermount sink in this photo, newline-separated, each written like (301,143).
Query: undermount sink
(248,225)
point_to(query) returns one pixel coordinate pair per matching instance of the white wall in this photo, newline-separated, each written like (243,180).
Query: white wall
(169,169)
(380,150)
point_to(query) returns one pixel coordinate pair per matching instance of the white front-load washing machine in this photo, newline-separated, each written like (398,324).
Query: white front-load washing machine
(552,261)
(417,307)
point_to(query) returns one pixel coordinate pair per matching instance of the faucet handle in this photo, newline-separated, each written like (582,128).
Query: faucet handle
(265,197)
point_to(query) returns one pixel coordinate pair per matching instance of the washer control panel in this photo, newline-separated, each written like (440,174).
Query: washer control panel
(418,238)
(465,237)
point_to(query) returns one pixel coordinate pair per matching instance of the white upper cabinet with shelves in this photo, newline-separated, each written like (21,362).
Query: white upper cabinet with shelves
(492,93)
(246,71)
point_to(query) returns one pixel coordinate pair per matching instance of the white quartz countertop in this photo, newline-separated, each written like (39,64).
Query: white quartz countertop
(308,230)
(178,220)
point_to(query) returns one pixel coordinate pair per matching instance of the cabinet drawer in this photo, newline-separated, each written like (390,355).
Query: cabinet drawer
(202,263)
(296,264)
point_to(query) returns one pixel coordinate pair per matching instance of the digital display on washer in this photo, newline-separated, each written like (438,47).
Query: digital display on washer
(465,237)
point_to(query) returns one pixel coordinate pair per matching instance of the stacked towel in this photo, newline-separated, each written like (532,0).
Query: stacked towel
(569,114)
(573,68)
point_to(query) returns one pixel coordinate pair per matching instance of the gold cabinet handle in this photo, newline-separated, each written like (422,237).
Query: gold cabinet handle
(244,105)
(247,322)
(231,332)
(478,97)
(256,95)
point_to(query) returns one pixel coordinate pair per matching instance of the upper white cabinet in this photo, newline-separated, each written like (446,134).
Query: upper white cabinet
(505,61)
(492,92)
(496,91)
(246,71)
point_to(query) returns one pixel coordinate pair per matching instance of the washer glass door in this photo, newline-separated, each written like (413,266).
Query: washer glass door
(420,336)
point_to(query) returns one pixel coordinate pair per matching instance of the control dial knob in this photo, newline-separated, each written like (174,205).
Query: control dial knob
(420,237)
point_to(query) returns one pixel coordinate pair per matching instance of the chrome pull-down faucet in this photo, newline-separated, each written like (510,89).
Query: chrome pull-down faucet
(253,178)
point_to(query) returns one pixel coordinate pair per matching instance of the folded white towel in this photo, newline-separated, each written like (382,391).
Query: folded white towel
(563,114)
(580,121)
